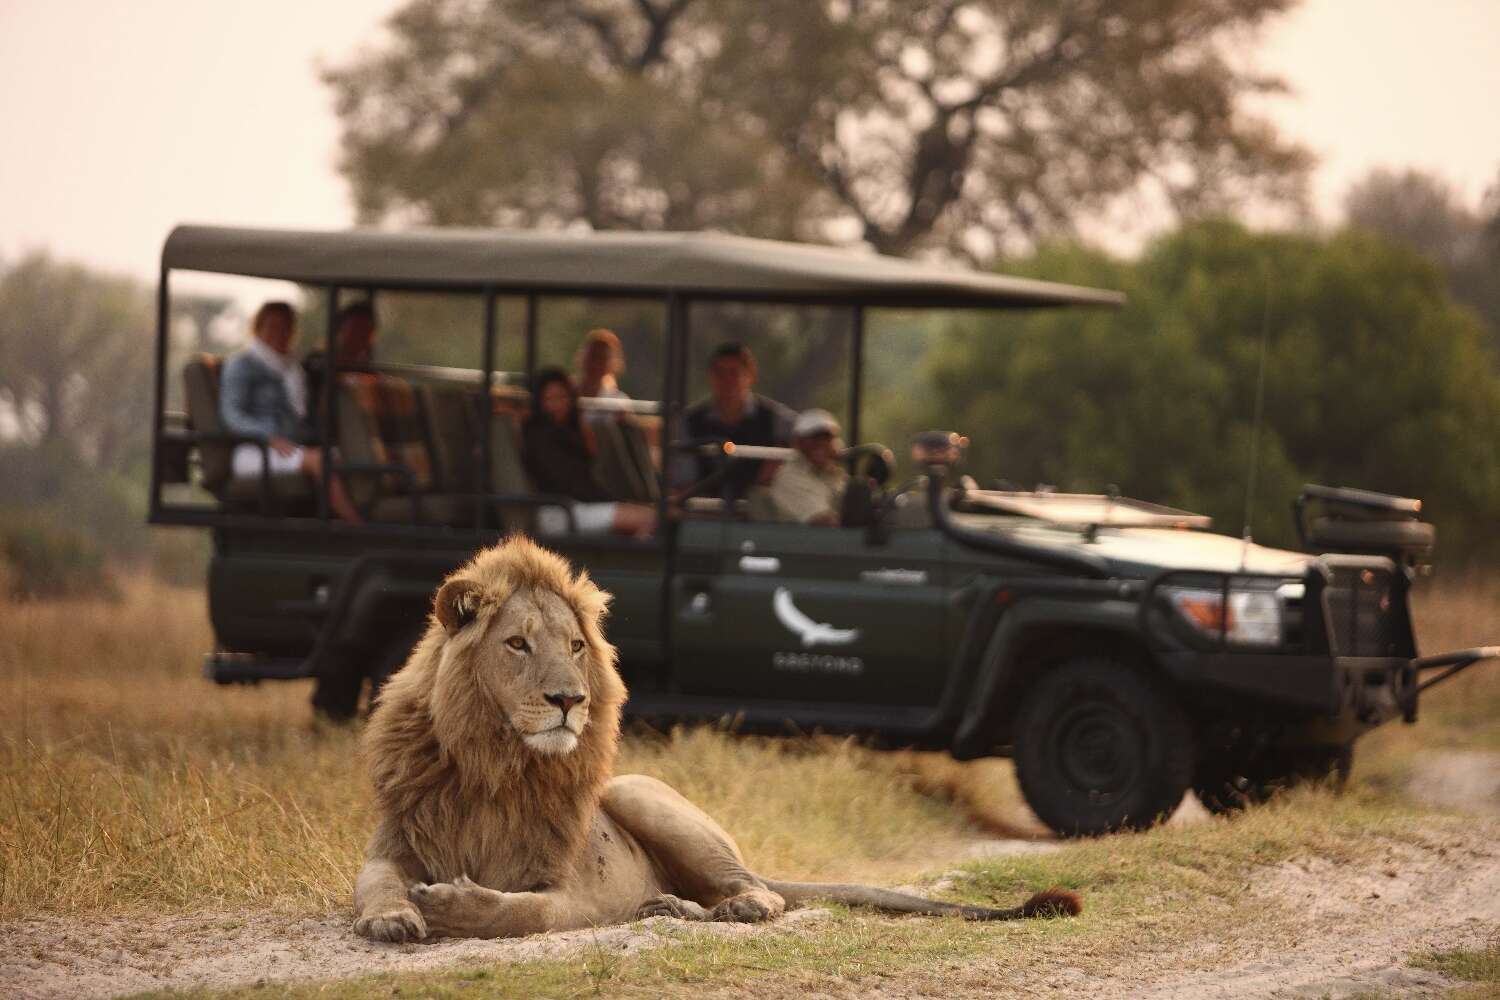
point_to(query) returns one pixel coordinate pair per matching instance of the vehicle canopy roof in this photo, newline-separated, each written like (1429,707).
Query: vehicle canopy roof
(707,265)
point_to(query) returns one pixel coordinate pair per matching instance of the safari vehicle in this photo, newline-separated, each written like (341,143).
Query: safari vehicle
(1120,651)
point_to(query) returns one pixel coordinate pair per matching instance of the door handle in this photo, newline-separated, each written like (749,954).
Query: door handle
(760,564)
(900,577)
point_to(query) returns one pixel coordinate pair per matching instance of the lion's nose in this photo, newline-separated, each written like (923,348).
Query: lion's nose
(565,701)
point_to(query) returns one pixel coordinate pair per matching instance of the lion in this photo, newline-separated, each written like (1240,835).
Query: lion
(491,753)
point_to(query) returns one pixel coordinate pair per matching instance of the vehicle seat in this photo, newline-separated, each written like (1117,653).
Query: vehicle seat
(383,421)
(507,474)
(623,464)
(453,430)
(200,378)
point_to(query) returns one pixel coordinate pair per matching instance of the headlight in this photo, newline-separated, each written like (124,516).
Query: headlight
(1253,618)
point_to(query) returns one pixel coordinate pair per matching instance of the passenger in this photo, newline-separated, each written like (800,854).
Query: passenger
(558,455)
(600,361)
(354,350)
(734,413)
(809,488)
(263,395)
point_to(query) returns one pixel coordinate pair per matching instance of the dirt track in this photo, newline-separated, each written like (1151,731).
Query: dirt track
(1358,926)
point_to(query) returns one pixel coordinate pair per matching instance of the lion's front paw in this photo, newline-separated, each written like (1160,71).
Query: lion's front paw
(398,925)
(668,905)
(447,907)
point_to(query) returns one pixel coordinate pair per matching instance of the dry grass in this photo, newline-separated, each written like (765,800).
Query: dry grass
(127,781)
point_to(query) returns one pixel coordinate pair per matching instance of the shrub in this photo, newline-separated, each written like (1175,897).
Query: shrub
(45,558)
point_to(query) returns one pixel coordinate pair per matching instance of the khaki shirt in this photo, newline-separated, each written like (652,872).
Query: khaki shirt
(802,492)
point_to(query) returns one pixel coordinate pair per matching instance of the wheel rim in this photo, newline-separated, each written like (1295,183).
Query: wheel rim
(1097,751)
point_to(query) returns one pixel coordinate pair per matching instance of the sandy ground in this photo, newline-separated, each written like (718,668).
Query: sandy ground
(1358,927)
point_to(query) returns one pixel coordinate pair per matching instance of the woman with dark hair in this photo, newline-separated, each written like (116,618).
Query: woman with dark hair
(559,452)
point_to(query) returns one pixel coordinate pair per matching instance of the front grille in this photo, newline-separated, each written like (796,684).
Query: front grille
(1360,606)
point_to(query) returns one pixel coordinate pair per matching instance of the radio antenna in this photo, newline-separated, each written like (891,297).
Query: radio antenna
(1255,425)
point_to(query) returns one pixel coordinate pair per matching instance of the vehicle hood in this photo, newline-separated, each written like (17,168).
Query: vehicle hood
(1142,552)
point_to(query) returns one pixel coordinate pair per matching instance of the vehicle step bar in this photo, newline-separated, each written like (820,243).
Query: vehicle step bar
(246,668)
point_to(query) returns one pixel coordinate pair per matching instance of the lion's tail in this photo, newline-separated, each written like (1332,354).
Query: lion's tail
(1047,903)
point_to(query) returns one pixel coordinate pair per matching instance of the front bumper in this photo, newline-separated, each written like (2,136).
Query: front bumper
(1356,692)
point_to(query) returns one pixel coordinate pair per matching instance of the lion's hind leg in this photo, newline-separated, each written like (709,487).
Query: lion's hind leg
(750,905)
(700,862)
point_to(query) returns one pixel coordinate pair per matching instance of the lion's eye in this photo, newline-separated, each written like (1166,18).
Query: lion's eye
(517,643)
(577,645)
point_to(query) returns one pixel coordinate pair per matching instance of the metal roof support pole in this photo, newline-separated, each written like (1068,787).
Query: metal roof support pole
(486,407)
(671,405)
(331,390)
(531,320)
(671,393)
(856,369)
(163,304)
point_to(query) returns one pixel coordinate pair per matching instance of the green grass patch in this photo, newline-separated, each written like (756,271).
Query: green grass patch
(1481,966)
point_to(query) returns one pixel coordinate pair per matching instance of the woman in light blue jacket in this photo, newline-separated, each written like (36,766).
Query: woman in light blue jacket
(263,395)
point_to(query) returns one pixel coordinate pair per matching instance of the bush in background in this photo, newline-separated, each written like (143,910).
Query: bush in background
(44,557)
(1375,378)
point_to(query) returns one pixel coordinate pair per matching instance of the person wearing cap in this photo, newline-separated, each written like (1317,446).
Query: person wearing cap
(733,412)
(809,488)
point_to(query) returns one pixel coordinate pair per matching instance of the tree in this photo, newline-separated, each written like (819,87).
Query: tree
(906,124)
(1375,378)
(75,359)
(1423,211)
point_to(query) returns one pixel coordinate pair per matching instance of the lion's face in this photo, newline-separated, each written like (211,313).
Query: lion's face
(517,655)
(533,660)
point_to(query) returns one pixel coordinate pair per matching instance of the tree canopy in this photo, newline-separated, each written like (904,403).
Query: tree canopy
(1375,378)
(1423,211)
(952,124)
(75,359)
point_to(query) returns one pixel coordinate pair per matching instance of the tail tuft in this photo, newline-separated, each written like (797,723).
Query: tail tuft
(1053,903)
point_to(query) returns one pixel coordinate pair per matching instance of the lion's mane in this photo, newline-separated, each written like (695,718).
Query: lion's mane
(455,788)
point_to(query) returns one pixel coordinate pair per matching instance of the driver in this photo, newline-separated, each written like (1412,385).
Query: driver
(809,488)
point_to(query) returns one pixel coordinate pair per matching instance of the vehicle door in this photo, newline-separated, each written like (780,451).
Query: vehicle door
(802,612)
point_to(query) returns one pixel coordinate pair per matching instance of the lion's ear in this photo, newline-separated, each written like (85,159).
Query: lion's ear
(456,604)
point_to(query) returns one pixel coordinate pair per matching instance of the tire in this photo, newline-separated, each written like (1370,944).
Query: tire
(336,696)
(1227,784)
(1101,747)
(391,657)
(336,692)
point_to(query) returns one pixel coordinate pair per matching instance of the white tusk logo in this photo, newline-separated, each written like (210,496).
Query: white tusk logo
(812,633)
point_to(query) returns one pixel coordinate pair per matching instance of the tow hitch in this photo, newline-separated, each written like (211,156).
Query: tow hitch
(1451,664)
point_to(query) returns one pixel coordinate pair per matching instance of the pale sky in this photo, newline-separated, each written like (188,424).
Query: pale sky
(118,120)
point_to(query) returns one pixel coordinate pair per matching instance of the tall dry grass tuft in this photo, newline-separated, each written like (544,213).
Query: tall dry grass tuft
(815,809)
(127,780)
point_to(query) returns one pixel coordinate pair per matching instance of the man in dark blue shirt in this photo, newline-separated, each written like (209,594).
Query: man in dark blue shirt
(733,412)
